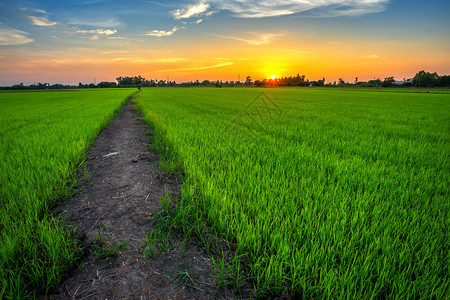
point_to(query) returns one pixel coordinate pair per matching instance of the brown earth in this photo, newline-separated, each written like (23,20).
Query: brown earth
(120,191)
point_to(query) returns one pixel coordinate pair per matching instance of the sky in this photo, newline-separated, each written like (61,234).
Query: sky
(72,41)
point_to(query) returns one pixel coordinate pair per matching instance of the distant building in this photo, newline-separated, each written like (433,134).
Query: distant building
(407,81)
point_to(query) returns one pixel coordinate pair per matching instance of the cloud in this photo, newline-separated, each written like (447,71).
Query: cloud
(373,56)
(41,21)
(169,59)
(209,13)
(190,11)
(98,31)
(114,52)
(261,39)
(40,11)
(10,37)
(267,8)
(224,64)
(161,33)
(90,2)
(146,60)
(95,23)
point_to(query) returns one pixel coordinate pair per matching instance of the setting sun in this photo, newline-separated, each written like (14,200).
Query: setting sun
(273,76)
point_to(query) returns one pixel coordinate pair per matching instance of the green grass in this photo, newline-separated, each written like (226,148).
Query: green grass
(106,250)
(414,90)
(329,193)
(44,136)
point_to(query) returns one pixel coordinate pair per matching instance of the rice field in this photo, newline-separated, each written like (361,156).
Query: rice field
(44,136)
(329,193)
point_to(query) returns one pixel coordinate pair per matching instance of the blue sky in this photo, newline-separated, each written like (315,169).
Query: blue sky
(71,41)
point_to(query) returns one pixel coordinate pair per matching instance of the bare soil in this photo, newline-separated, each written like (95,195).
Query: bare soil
(120,191)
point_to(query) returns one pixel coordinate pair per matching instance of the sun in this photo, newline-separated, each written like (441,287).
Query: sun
(273,76)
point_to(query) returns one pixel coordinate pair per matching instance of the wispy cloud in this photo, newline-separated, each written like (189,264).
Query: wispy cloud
(99,31)
(10,37)
(162,33)
(59,59)
(224,64)
(40,11)
(114,52)
(96,23)
(117,38)
(209,13)
(256,40)
(41,21)
(266,8)
(169,59)
(152,60)
(90,2)
(189,11)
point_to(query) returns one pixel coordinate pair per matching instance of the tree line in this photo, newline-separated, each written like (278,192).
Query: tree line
(421,79)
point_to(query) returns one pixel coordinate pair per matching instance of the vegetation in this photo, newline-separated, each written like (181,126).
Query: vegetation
(426,79)
(327,193)
(106,250)
(44,138)
(158,241)
(421,79)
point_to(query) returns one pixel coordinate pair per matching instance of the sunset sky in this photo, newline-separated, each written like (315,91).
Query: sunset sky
(75,41)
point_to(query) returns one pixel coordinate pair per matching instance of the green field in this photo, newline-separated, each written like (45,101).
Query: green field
(329,193)
(44,136)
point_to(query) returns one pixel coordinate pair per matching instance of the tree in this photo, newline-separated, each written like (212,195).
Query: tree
(388,81)
(248,80)
(341,81)
(131,81)
(444,80)
(321,82)
(426,79)
(375,82)
(106,84)
(263,82)
(124,81)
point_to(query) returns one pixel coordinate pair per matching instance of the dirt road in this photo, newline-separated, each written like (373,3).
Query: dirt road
(123,183)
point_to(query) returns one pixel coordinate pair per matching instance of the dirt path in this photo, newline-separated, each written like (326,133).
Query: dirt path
(121,190)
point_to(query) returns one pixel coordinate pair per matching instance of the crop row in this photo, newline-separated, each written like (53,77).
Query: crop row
(328,193)
(44,136)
